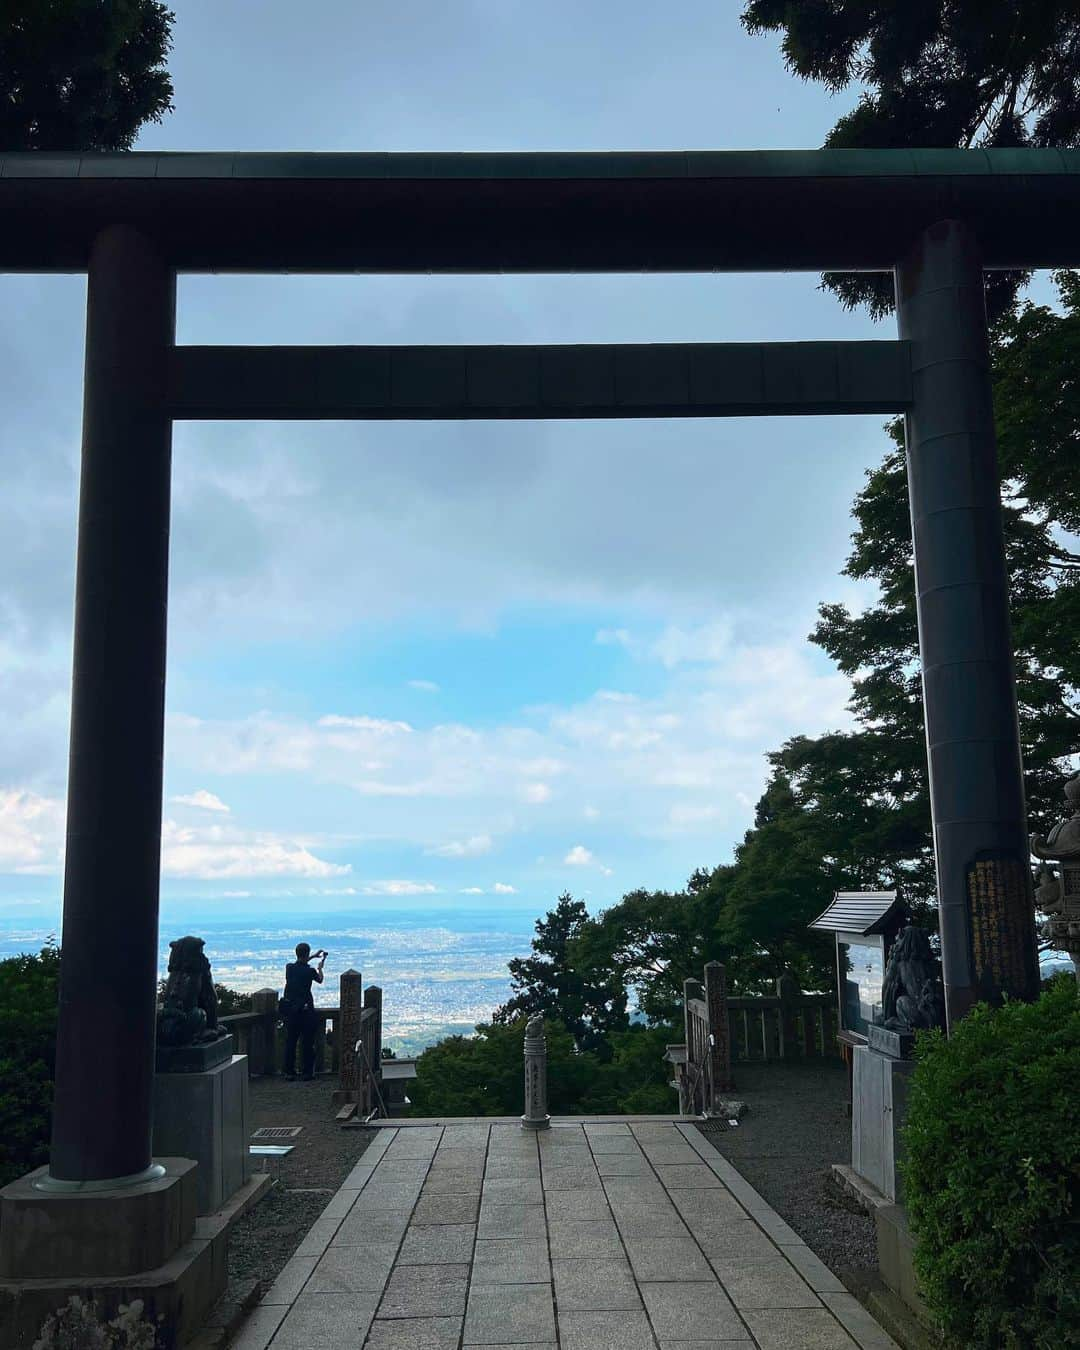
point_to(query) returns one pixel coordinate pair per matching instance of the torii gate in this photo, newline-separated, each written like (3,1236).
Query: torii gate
(133,221)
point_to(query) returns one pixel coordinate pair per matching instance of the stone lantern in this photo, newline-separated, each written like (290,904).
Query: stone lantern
(1058,897)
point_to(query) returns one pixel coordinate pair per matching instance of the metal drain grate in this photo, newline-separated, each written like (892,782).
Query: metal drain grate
(714,1125)
(277,1132)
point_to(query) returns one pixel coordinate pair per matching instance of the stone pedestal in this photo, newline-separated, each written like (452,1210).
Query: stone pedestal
(878,1106)
(204,1116)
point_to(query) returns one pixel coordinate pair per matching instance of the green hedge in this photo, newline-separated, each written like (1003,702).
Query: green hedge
(992,1174)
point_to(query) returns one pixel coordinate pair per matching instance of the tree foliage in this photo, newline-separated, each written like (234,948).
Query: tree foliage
(935,73)
(589,1000)
(28,1002)
(82,74)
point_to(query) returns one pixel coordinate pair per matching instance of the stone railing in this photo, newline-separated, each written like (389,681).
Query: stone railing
(721,1030)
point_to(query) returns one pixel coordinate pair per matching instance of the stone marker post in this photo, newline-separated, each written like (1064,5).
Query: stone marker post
(720,1078)
(348,1033)
(536,1113)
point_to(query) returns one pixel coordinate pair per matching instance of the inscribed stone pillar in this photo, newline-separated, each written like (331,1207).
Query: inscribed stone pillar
(973,746)
(348,1030)
(108,977)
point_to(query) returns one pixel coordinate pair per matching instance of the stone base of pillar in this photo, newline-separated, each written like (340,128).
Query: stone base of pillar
(110,1232)
(178,1295)
(204,1116)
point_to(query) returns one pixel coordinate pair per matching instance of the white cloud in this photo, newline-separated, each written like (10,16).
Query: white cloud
(579,856)
(378,726)
(426,686)
(399,888)
(691,814)
(708,643)
(475,847)
(205,801)
(31,832)
(213,853)
(472,890)
(501,888)
(613,637)
(536,793)
(236,895)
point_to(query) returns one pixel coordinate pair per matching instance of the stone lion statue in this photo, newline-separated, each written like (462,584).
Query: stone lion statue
(912,997)
(188,1013)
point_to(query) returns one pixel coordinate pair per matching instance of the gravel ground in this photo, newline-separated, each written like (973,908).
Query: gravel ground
(263,1240)
(795,1127)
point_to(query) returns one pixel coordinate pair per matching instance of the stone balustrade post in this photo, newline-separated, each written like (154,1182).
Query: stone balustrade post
(263,1041)
(536,1113)
(348,1033)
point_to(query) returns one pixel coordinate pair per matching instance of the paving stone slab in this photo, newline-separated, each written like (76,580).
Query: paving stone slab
(415,1148)
(671,1154)
(259,1326)
(453,1182)
(339,1205)
(667,1259)
(567,1155)
(780,1232)
(318,1237)
(635,1190)
(353,1270)
(768,1284)
(584,1238)
(706,1345)
(437,1244)
(502,1314)
(798,1329)
(383,1196)
(571,1179)
(602,1127)
(511,1261)
(623,1165)
(359,1177)
(292,1277)
(401,1169)
(446,1209)
(512,1165)
(817,1275)
(595,1286)
(360,1229)
(329,1321)
(413,1333)
(513,1191)
(458,1157)
(586,1204)
(614,1143)
(605,1331)
(425,1291)
(659,1222)
(465,1136)
(709,1315)
(506,1221)
(740,1242)
(858,1322)
(710,1204)
(688,1177)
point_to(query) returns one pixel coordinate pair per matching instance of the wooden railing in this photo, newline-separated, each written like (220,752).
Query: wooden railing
(720,1030)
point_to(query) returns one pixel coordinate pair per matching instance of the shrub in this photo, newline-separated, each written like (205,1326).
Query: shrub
(992,1174)
(28,994)
(79,1326)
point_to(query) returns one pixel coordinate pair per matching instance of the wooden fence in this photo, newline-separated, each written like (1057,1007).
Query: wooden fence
(722,1030)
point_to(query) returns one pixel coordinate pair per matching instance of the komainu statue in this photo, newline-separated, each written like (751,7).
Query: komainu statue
(912,997)
(188,1013)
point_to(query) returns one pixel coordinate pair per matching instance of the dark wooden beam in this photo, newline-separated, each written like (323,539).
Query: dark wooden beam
(681,380)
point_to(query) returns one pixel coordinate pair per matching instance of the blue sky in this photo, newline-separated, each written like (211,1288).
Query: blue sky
(494,660)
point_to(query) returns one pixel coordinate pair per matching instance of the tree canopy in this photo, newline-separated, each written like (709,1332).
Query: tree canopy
(82,74)
(935,73)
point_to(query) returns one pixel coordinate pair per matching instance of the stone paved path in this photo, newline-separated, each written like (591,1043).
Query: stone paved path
(588,1236)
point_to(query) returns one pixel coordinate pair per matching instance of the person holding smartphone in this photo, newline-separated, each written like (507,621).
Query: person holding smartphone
(298,1009)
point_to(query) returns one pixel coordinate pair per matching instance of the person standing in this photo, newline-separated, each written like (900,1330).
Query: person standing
(298,1009)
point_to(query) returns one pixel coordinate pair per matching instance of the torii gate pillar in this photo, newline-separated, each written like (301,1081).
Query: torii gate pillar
(969,689)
